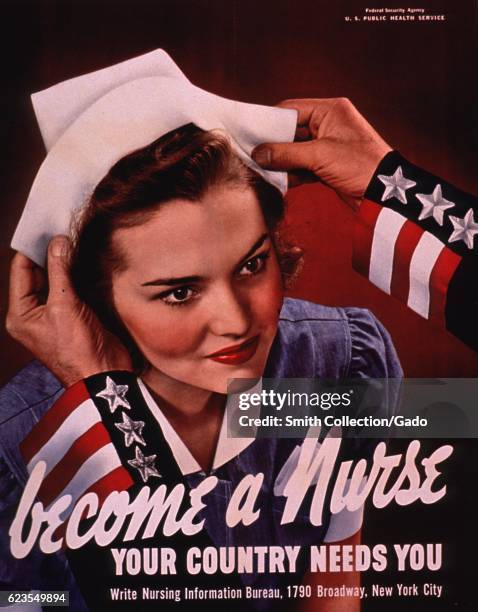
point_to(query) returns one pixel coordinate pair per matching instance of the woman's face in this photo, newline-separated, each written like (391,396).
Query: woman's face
(202,290)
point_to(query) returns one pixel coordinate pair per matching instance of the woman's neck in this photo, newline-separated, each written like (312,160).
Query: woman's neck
(182,398)
(196,414)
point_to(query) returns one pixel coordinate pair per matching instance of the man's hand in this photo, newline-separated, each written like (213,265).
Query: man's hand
(335,143)
(62,332)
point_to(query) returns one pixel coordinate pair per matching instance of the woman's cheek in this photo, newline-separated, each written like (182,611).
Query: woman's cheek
(163,333)
(269,298)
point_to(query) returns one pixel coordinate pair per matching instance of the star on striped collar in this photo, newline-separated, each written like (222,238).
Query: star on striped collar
(396,185)
(144,465)
(434,205)
(114,394)
(464,228)
(131,429)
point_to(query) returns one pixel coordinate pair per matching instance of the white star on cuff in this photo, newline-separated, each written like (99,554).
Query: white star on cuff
(144,465)
(132,430)
(114,394)
(464,229)
(396,185)
(434,205)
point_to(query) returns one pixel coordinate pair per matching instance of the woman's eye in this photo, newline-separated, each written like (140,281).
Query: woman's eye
(181,295)
(254,265)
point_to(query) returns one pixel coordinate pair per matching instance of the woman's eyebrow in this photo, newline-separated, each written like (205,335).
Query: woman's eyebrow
(258,243)
(186,280)
(180,280)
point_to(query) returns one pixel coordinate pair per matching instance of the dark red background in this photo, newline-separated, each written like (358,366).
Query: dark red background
(415,82)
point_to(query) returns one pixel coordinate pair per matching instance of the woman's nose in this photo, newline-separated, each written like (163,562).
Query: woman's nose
(230,315)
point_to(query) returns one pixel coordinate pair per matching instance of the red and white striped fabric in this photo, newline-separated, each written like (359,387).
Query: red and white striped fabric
(403,260)
(77,450)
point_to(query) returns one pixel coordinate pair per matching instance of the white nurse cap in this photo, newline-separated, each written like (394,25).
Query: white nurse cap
(90,122)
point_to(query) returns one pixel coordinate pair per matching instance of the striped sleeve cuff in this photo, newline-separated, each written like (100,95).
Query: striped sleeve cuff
(83,439)
(414,238)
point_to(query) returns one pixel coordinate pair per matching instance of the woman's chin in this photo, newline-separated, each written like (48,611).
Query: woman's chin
(227,375)
(234,381)
(215,378)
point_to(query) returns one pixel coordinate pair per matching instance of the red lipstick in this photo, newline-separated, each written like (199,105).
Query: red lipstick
(237,354)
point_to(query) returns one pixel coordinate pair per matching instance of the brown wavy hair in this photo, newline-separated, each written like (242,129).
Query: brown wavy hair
(184,164)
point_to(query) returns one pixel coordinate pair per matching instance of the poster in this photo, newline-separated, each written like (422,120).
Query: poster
(409,70)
